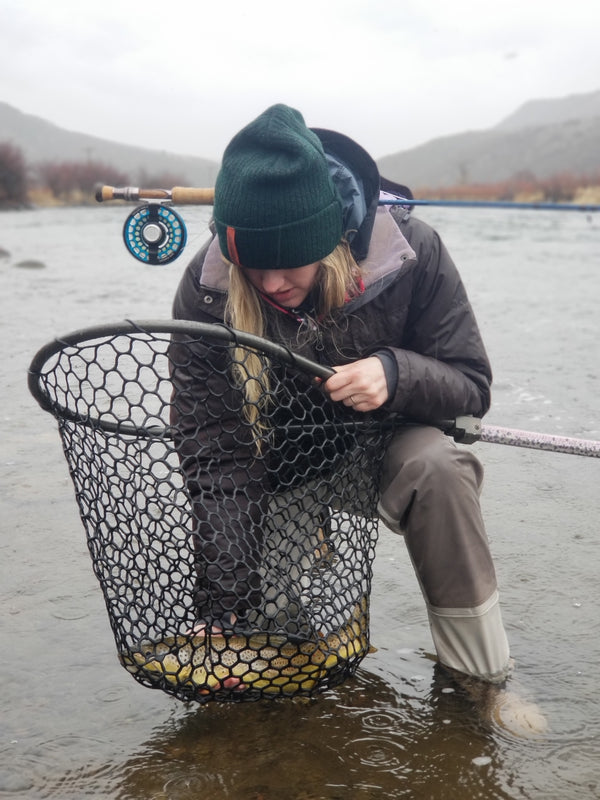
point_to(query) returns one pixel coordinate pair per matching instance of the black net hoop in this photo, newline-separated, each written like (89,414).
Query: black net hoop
(229,506)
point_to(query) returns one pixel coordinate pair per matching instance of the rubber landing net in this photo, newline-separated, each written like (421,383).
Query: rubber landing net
(229,510)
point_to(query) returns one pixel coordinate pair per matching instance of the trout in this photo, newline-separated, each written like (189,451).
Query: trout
(269,663)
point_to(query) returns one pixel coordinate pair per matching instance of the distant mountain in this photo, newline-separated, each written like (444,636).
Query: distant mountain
(550,112)
(41,141)
(542,138)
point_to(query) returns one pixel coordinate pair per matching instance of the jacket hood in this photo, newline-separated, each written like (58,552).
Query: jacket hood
(356,177)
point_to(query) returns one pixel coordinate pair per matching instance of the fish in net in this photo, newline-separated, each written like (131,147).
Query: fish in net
(229,506)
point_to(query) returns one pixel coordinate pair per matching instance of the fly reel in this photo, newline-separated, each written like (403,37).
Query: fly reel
(154,233)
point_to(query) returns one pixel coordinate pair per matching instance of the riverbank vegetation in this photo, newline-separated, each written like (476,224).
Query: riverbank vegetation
(69,183)
(525,188)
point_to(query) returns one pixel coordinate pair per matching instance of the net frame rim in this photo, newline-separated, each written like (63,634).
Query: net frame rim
(219,333)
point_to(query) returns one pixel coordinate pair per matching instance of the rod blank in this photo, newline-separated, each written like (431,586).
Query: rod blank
(189,195)
(507,204)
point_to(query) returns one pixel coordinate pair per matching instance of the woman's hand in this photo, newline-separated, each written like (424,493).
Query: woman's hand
(360,385)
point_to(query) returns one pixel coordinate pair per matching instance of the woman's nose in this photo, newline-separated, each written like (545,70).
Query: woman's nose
(273,280)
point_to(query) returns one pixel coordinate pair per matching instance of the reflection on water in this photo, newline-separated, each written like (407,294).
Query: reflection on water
(74,724)
(366,740)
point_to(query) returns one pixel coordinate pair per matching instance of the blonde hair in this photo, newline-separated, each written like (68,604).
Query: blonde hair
(338,279)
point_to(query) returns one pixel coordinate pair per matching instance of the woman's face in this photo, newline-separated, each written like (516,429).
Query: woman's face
(286,287)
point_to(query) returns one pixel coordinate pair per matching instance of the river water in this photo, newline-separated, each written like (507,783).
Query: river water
(74,724)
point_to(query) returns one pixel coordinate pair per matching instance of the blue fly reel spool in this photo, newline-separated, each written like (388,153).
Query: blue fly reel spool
(154,234)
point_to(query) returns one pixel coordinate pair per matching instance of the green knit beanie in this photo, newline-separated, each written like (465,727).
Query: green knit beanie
(275,204)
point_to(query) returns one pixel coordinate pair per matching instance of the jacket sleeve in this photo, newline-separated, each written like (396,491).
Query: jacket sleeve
(443,368)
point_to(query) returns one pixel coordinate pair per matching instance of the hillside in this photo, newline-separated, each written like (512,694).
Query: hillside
(542,138)
(42,141)
(494,155)
(549,112)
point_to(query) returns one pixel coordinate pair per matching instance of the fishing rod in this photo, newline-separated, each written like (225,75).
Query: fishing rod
(187,195)
(155,233)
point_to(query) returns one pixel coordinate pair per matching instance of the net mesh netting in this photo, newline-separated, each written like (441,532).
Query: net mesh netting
(229,506)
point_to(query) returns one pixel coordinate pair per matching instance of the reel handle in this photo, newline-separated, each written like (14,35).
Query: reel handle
(181,195)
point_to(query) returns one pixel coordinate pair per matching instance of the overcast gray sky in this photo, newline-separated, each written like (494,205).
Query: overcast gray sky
(185,76)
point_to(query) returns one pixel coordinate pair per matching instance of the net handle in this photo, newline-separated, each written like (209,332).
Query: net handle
(215,332)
